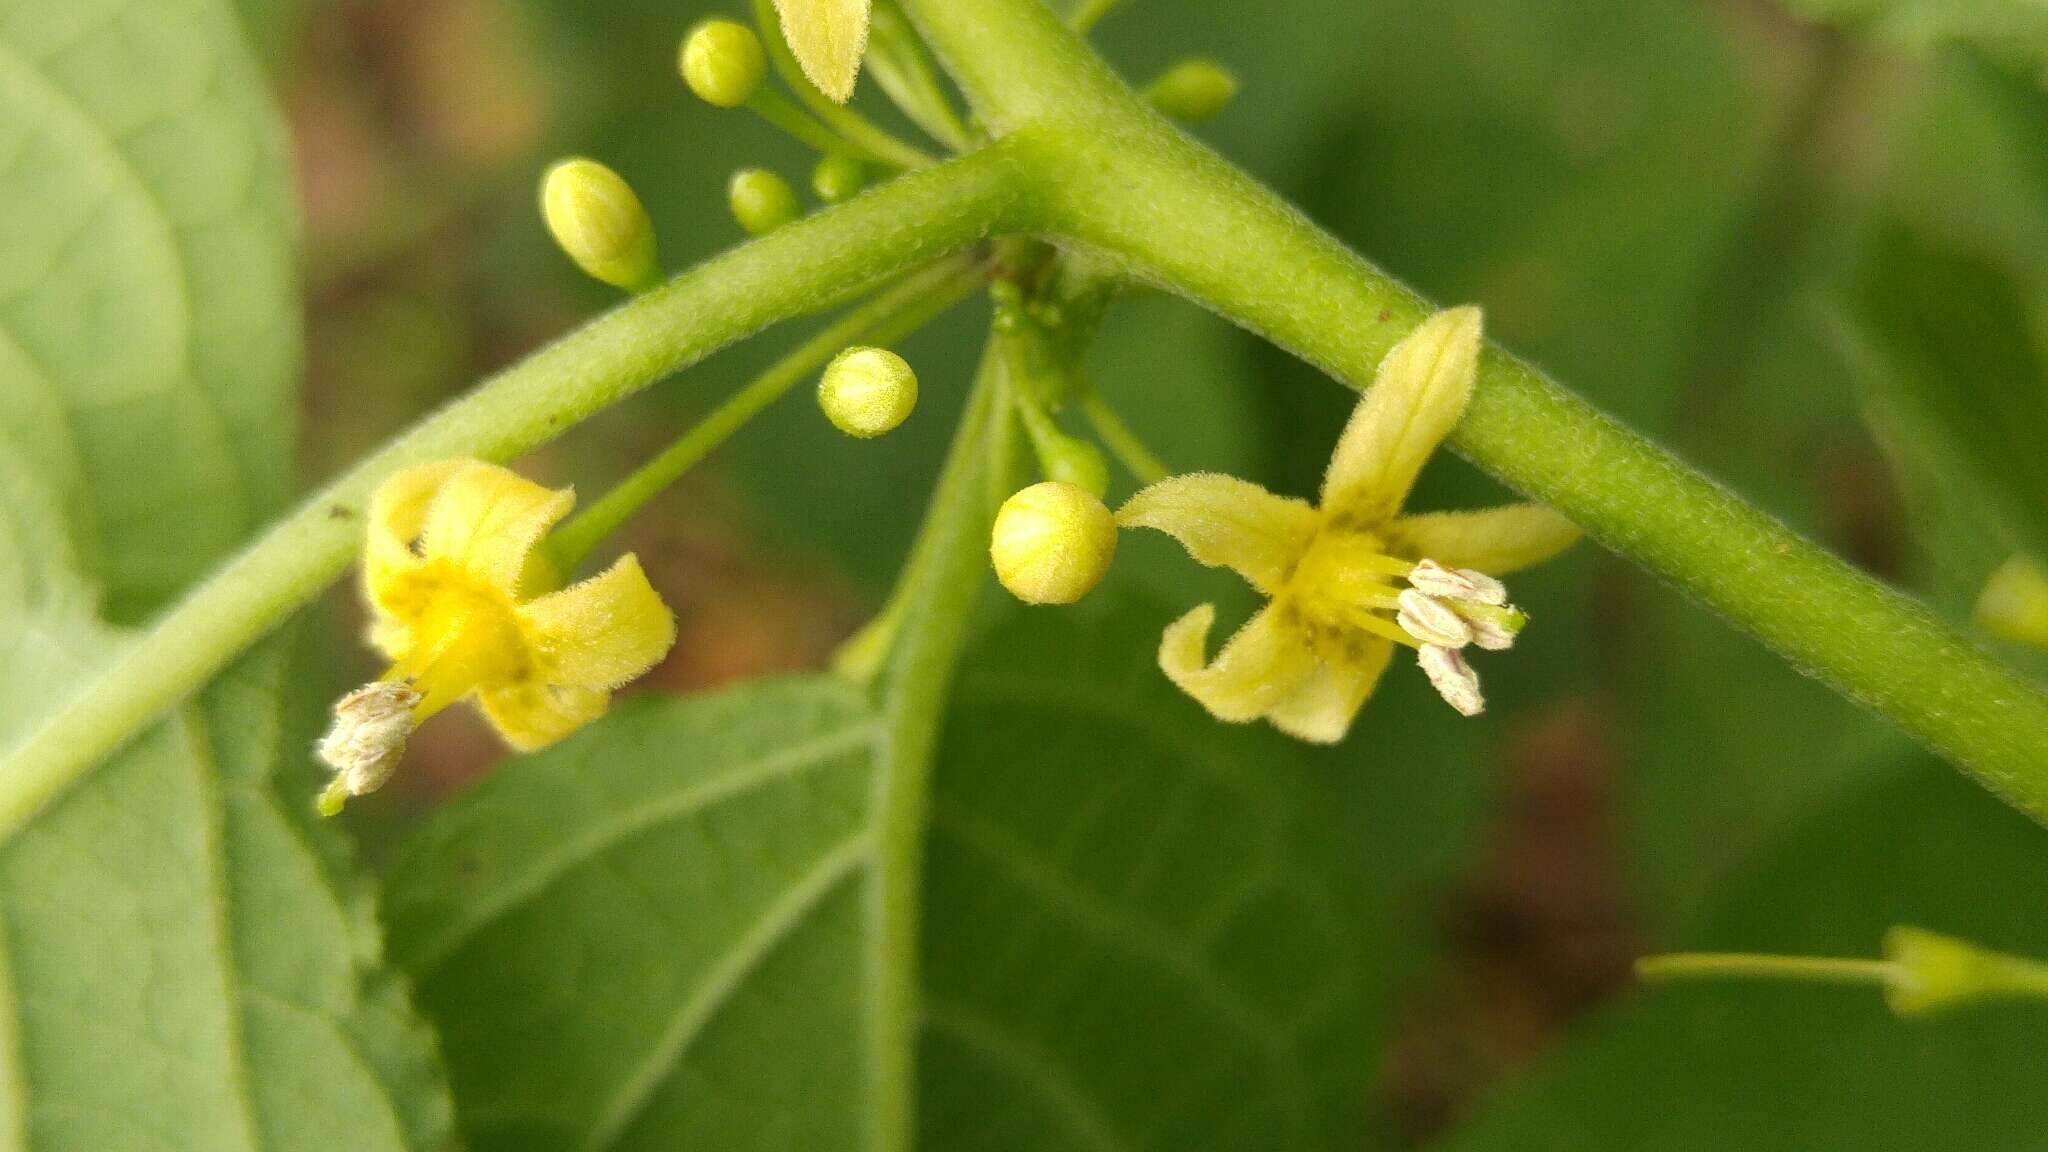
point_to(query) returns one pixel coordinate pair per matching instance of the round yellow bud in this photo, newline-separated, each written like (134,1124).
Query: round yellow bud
(761,201)
(1052,543)
(1192,90)
(867,391)
(722,62)
(594,216)
(838,178)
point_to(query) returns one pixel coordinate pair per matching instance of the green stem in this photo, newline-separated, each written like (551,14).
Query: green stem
(776,109)
(784,274)
(1138,460)
(860,134)
(1088,13)
(944,573)
(891,315)
(902,66)
(1756,966)
(1119,179)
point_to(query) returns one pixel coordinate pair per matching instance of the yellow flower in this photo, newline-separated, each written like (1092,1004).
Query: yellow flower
(1353,578)
(464,607)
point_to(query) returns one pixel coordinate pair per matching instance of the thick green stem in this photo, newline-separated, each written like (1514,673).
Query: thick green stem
(1121,180)
(944,573)
(791,271)
(892,314)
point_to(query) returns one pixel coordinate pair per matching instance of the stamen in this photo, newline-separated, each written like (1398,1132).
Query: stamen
(1453,679)
(1433,579)
(367,740)
(1432,621)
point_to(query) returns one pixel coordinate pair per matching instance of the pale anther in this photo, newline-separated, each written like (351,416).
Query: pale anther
(1433,579)
(1453,679)
(371,726)
(1432,621)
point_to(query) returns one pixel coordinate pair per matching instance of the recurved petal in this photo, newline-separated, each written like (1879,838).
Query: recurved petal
(828,38)
(1261,665)
(603,631)
(486,519)
(1321,710)
(1495,541)
(1416,399)
(533,715)
(398,511)
(1224,521)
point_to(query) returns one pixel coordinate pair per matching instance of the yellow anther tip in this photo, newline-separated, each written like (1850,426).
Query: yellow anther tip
(1052,543)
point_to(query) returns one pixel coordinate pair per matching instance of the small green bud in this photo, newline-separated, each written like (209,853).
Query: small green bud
(1934,973)
(761,201)
(723,63)
(1076,462)
(2014,604)
(1192,90)
(838,178)
(1052,543)
(867,391)
(594,216)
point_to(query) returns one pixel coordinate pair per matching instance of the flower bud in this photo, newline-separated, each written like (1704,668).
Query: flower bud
(761,201)
(838,178)
(867,391)
(723,63)
(1052,543)
(1934,973)
(1192,90)
(1076,462)
(594,216)
(2014,605)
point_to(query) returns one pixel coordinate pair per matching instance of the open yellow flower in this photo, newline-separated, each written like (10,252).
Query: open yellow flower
(464,608)
(1350,580)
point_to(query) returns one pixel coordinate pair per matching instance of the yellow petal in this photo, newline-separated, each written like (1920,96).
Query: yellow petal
(533,715)
(1495,541)
(602,632)
(398,511)
(485,519)
(1417,398)
(1260,666)
(828,38)
(1321,710)
(1226,521)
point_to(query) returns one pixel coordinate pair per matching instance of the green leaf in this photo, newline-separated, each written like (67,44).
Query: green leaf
(148,320)
(2015,32)
(1952,374)
(1136,929)
(185,961)
(1772,1066)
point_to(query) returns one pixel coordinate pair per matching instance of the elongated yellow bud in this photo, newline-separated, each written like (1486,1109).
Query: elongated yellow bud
(594,216)
(867,391)
(1052,543)
(761,201)
(1193,90)
(723,63)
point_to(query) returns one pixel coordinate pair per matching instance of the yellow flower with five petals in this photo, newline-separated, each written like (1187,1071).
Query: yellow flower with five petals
(1351,579)
(465,606)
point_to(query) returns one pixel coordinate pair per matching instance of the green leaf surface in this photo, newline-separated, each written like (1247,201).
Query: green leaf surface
(1137,931)
(1757,1066)
(1953,375)
(186,961)
(148,318)
(2013,31)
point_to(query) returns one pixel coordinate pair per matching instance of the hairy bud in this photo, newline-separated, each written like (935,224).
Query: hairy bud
(1052,543)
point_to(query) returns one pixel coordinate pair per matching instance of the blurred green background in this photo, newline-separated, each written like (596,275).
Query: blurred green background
(1661,201)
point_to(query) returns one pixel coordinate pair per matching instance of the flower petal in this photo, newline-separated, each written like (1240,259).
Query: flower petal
(1416,399)
(398,511)
(828,38)
(603,631)
(1260,666)
(533,715)
(486,519)
(1321,710)
(1224,521)
(1495,541)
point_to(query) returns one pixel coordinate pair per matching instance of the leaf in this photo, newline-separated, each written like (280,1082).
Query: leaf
(2013,31)
(1950,371)
(829,37)
(1774,1066)
(185,963)
(147,298)
(655,935)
